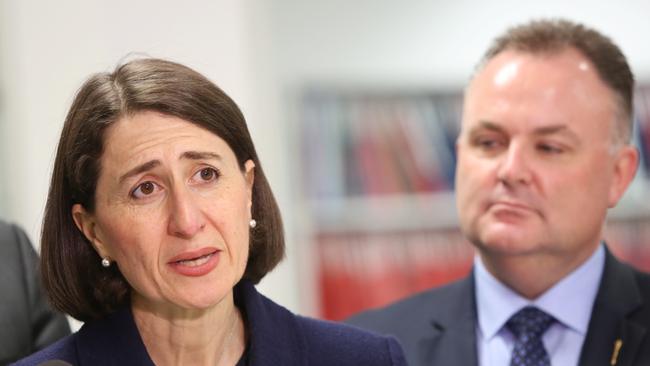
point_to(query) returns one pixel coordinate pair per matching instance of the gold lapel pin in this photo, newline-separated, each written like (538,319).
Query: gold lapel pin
(617,349)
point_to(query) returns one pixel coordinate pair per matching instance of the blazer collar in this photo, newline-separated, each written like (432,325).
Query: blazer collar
(618,297)
(273,330)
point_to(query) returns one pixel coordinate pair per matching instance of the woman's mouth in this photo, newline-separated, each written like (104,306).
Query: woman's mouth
(195,263)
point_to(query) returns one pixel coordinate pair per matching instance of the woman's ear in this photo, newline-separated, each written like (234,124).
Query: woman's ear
(88,226)
(249,176)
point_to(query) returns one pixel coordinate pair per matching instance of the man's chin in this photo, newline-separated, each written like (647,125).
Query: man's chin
(511,242)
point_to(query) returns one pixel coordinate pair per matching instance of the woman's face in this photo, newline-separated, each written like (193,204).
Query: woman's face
(172,210)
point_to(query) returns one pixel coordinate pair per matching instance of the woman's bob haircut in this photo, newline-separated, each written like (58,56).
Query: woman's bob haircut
(73,276)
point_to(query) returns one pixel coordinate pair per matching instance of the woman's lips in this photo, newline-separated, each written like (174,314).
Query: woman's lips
(195,263)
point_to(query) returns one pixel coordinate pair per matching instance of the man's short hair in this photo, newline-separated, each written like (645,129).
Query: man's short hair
(556,35)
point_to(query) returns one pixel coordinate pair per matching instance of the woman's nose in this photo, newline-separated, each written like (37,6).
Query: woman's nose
(185,218)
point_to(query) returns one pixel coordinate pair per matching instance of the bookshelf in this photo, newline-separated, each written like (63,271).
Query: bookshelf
(378,177)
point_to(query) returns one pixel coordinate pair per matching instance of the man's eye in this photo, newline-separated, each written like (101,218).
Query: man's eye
(550,149)
(144,189)
(487,143)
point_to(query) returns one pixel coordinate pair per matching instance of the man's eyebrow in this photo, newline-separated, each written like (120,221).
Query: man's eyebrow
(542,131)
(139,169)
(548,130)
(486,125)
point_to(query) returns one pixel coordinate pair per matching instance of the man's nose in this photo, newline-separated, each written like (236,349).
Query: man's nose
(186,218)
(514,166)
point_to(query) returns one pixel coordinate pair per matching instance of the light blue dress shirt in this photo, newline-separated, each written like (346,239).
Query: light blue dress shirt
(570,301)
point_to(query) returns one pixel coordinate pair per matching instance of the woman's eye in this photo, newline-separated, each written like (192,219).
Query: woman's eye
(207,174)
(144,189)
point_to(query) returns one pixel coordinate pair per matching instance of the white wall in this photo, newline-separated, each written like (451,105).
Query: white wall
(432,42)
(47,49)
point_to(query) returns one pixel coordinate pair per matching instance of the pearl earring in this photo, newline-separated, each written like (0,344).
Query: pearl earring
(106,263)
(252,223)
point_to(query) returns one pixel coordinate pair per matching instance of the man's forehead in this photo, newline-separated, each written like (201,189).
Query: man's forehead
(544,54)
(568,73)
(567,57)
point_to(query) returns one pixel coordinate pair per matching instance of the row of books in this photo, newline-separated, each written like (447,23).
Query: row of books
(358,144)
(371,145)
(360,271)
(629,240)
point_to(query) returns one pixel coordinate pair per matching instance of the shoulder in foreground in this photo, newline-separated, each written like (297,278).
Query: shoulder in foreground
(62,350)
(341,344)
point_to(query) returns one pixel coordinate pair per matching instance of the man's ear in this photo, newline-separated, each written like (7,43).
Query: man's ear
(88,226)
(625,166)
(249,176)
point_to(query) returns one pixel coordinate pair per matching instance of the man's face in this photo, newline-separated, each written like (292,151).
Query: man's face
(537,163)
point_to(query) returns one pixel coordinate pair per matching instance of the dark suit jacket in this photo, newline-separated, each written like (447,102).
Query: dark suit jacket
(438,327)
(277,338)
(27,323)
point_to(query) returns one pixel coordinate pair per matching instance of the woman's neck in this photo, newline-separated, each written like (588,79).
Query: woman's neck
(176,336)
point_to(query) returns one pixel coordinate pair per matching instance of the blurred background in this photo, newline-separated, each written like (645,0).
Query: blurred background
(353,107)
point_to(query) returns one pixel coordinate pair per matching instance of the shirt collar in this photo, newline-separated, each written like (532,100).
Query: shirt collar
(569,301)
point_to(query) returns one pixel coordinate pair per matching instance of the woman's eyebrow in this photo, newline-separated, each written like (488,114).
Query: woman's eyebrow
(200,155)
(191,155)
(140,169)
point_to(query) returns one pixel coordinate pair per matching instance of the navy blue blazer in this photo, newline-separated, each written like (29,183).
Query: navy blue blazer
(438,327)
(277,338)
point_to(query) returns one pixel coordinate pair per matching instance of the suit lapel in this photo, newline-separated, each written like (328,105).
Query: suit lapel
(617,297)
(452,337)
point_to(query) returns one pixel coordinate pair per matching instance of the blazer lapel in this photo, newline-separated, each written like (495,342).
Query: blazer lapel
(452,337)
(274,331)
(613,338)
(274,335)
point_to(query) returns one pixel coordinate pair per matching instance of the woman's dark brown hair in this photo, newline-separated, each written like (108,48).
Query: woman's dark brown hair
(73,277)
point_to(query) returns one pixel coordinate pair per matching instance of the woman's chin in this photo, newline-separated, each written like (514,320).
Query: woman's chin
(196,300)
(200,300)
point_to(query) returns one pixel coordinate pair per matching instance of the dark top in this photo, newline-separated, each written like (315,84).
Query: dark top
(276,337)
(243,361)
(438,327)
(27,323)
